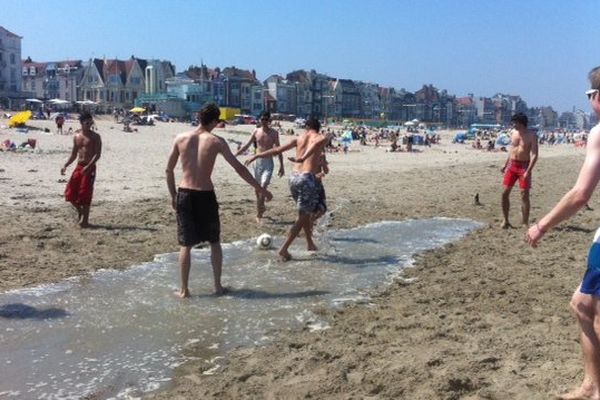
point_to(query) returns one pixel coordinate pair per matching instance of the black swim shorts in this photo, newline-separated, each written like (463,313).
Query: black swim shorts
(197,217)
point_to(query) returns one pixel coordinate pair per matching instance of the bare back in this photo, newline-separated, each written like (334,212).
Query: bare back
(313,162)
(522,145)
(197,152)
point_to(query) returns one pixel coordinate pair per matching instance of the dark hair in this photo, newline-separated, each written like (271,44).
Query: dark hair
(265,114)
(594,77)
(209,113)
(313,123)
(84,116)
(520,118)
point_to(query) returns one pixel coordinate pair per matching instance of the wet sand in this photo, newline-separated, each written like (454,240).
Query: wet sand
(486,317)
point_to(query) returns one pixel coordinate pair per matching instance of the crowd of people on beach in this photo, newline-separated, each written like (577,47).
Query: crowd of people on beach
(197,210)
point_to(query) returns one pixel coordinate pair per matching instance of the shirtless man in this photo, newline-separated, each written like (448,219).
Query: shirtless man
(87,149)
(520,162)
(305,186)
(264,138)
(195,201)
(585,302)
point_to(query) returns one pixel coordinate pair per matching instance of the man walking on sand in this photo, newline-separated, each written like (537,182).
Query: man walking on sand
(264,138)
(195,201)
(520,162)
(87,149)
(305,185)
(585,302)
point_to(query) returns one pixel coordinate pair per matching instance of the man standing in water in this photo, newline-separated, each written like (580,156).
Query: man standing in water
(305,186)
(585,302)
(264,138)
(520,162)
(195,201)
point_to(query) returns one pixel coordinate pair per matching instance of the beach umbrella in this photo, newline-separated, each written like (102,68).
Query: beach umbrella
(86,102)
(58,101)
(137,110)
(19,118)
(33,101)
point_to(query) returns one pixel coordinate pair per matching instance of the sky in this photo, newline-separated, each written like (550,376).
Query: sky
(541,50)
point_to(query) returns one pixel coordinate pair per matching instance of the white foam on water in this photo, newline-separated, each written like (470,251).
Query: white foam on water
(118,334)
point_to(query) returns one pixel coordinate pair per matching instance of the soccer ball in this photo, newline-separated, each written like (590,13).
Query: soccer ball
(264,241)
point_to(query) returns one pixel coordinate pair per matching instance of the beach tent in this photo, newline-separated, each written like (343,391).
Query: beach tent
(137,110)
(459,137)
(19,118)
(503,140)
(409,123)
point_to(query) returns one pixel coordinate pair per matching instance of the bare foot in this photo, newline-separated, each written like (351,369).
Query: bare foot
(184,293)
(259,220)
(220,291)
(585,392)
(84,225)
(506,225)
(284,256)
(311,246)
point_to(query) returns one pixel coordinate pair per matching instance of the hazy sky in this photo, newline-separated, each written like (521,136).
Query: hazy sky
(539,49)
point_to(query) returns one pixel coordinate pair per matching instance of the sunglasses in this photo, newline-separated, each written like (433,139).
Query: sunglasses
(590,93)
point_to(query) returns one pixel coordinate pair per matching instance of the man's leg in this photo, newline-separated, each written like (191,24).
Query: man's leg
(525,206)
(308,229)
(216,259)
(506,206)
(292,234)
(85,215)
(586,308)
(184,265)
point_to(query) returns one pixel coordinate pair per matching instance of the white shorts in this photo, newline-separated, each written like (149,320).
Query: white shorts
(263,171)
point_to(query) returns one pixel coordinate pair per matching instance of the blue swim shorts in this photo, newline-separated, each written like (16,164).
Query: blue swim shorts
(591,280)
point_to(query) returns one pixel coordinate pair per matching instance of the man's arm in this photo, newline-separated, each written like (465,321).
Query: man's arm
(577,197)
(274,151)
(171,163)
(248,143)
(96,156)
(280,156)
(534,156)
(72,157)
(241,170)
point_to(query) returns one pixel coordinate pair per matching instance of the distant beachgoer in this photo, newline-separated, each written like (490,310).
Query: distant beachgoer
(305,187)
(409,142)
(195,201)
(60,120)
(263,138)
(518,166)
(585,302)
(87,149)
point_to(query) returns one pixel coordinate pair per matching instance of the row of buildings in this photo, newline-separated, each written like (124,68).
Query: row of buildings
(112,83)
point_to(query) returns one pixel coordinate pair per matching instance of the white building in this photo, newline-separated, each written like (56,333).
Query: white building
(10,66)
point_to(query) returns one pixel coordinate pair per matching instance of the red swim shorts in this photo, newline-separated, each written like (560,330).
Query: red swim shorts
(81,186)
(515,170)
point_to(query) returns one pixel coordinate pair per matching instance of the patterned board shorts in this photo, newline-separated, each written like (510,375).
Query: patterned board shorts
(308,192)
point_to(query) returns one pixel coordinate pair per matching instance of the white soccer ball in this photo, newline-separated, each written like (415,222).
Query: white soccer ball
(264,241)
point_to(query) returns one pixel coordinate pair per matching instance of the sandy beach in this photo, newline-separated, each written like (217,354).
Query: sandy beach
(483,318)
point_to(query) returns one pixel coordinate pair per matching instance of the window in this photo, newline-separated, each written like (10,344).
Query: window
(136,80)
(12,58)
(25,71)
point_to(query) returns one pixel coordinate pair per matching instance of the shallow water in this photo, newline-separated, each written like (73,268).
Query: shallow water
(120,333)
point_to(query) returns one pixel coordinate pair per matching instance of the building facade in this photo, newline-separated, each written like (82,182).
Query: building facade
(52,80)
(10,67)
